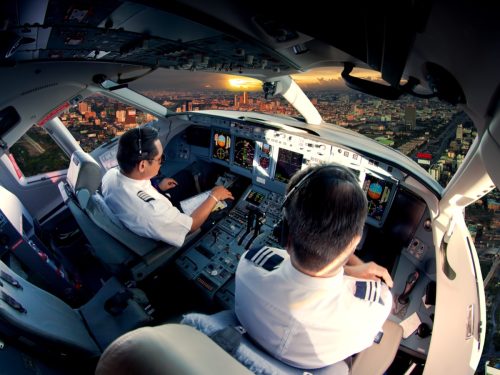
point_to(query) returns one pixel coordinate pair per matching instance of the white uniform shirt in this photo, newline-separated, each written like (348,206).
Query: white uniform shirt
(307,322)
(143,210)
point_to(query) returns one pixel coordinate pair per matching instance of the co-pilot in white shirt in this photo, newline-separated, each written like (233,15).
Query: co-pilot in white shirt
(143,210)
(307,322)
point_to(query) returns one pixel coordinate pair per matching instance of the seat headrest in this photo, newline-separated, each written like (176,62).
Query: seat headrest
(167,349)
(84,176)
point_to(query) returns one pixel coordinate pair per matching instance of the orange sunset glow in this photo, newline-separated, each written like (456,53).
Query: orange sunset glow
(315,78)
(320,78)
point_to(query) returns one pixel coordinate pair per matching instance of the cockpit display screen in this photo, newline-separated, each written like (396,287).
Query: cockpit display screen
(244,152)
(378,194)
(288,163)
(221,145)
(255,198)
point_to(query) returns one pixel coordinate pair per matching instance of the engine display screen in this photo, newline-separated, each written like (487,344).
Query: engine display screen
(264,158)
(378,194)
(221,145)
(288,163)
(244,152)
(255,198)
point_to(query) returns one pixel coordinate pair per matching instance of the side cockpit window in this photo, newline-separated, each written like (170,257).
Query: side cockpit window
(37,153)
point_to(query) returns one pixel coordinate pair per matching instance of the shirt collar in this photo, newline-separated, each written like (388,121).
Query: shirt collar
(140,183)
(333,282)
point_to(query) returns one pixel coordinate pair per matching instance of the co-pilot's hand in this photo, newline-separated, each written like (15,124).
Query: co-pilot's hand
(221,193)
(167,183)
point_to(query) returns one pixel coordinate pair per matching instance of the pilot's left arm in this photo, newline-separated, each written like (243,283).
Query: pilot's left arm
(167,183)
(163,184)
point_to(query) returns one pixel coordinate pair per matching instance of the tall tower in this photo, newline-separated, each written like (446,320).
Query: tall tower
(410,116)
(245,97)
(460,132)
(83,108)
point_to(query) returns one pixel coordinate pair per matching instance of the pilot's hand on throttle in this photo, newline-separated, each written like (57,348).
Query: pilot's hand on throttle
(369,271)
(167,183)
(221,193)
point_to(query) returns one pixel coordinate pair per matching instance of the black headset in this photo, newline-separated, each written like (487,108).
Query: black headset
(282,230)
(139,143)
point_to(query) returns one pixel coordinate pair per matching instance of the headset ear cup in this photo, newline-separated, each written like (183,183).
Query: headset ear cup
(281,231)
(285,230)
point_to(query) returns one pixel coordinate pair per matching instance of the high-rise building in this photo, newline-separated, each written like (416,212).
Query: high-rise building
(410,116)
(435,172)
(83,108)
(121,115)
(460,132)
(245,97)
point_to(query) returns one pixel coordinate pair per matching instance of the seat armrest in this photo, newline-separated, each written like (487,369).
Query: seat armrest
(376,359)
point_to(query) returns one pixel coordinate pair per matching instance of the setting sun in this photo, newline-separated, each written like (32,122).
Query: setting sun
(244,83)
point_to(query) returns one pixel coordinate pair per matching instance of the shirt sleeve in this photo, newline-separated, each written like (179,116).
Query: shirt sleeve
(166,223)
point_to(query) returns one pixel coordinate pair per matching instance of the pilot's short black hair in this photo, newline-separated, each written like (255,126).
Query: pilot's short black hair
(135,145)
(325,213)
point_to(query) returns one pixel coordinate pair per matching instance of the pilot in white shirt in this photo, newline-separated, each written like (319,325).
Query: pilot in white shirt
(300,304)
(129,194)
(307,322)
(142,209)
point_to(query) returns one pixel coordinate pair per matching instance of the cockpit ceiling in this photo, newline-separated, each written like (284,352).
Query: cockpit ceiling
(126,32)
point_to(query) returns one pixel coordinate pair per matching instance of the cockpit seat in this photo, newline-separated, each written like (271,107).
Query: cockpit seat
(170,349)
(45,324)
(123,252)
(188,349)
(374,360)
(247,353)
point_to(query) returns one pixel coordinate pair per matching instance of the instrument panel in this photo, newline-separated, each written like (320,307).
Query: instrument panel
(271,157)
(268,158)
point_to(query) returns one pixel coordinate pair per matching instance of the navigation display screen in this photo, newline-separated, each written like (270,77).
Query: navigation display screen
(221,145)
(288,163)
(378,194)
(244,151)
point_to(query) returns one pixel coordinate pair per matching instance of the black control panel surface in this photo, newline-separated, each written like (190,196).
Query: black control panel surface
(211,262)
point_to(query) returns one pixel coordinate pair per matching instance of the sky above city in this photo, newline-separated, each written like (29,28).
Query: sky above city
(176,80)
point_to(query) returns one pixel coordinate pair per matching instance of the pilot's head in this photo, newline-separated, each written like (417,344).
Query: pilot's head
(326,213)
(140,153)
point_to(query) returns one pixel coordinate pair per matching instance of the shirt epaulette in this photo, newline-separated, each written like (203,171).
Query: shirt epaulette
(264,257)
(369,290)
(145,196)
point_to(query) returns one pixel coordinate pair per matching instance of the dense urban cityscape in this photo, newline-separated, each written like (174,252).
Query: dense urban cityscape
(435,135)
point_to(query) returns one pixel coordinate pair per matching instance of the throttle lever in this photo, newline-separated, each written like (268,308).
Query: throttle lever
(410,284)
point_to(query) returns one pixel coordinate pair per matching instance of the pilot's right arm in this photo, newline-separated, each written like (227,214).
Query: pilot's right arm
(218,193)
(355,267)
